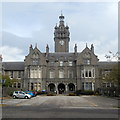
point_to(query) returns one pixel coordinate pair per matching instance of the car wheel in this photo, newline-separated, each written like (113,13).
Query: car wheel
(26,97)
(14,96)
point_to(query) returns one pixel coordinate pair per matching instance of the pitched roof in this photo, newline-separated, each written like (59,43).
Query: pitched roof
(107,65)
(13,65)
(64,55)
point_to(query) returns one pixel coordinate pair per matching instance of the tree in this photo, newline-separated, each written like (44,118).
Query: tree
(114,75)
(8,82)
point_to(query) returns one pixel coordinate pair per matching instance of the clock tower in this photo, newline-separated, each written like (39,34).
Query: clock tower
(61,36)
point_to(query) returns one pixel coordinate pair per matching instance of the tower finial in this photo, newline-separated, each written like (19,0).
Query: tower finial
(61,17)
(86,44)
(61,13)
(36,45)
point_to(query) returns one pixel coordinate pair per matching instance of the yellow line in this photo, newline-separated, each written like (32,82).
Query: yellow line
(94,104)
(2,105)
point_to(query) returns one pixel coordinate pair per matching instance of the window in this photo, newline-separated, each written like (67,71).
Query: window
(19,85)
(82,73)
(87,61)
(61,74)
(52,63)
(36,73)
(87,86)
(52,75)
(11,74)
(88,73)
(35,62)
(14,85)
(61,63)
(39,73)
(70,74)
(93,71)
(32,86)
(70,63)
(19,74)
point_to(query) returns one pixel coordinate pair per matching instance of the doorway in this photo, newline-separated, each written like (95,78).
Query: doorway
(61,88)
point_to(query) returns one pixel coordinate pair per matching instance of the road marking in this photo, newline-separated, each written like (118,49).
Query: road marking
(93,104)
(2,105)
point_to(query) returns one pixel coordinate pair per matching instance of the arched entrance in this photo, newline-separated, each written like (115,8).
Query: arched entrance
(51,87)
(61,88)
(71,87)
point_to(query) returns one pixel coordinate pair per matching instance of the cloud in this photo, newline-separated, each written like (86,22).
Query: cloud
(31,23)
(12,53)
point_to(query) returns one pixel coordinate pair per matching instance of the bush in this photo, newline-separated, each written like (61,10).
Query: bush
(87,92)
(78,92)
(41,92)
(50,94)
(71,94)
(84,92)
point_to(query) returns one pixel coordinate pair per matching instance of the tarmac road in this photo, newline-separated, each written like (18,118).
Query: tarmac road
(61,107)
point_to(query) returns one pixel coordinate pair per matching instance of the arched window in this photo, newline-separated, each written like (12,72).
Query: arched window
(61,73)
(52,74)
(90,75)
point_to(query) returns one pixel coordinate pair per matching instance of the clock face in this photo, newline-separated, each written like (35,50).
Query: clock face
(61,42)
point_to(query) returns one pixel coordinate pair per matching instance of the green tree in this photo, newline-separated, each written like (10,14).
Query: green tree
(114,75)
(8,81)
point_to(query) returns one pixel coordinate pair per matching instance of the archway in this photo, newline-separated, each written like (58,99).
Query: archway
(71,87)
(61,88)
(51,87)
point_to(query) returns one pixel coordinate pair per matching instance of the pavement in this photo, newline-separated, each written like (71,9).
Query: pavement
(61,107)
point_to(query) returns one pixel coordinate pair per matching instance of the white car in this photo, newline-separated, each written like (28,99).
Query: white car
(21,94)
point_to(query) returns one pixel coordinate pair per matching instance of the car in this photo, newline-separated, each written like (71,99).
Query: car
(30,93)
(35,93)
(21,94)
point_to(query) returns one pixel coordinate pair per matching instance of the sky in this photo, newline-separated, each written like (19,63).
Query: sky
(25,23)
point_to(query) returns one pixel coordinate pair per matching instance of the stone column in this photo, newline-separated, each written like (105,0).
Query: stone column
(66,88)
(92,86)
(56,88)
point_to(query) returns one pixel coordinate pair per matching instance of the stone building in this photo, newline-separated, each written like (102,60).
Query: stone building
(61,71)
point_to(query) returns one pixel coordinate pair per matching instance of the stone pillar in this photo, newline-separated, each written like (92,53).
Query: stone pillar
(56,88)
(66,88)
(92,86)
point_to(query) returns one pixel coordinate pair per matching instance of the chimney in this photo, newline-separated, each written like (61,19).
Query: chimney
(92,48)
(47,49)
(30,48)
(75,49)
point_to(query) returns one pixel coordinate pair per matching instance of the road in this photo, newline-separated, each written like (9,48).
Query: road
(61,107)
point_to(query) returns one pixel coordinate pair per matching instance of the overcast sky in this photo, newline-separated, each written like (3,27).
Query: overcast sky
(26,23)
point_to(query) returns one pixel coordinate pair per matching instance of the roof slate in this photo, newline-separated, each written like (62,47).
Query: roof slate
(13,65)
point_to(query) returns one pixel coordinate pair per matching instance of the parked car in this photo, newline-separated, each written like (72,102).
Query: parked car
(35,93)
(30,93)
(21,94)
